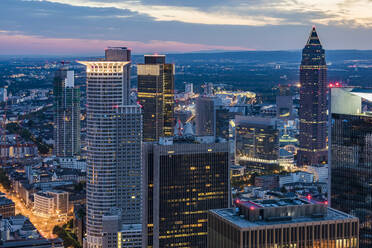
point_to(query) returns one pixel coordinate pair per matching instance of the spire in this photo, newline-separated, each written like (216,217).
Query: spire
(313,38)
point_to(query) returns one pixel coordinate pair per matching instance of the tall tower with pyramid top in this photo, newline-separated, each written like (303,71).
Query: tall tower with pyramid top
(313,103)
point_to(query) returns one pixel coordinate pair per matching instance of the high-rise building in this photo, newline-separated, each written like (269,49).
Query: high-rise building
(205,116)
(313,103)
(257,142)
(284,103)
(67,114)
(290,222)
(156,96)
(185,178)
(114,135)
(3,94)
(350,156)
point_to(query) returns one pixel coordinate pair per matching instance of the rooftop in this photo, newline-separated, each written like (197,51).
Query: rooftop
(5,201)
(229,214)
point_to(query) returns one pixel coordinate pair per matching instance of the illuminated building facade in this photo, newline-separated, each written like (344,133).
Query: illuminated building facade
(185,179)
(67,114)
(350,154)
(313,103)
(257,142)
(156,96)
(114,135)
(281,223)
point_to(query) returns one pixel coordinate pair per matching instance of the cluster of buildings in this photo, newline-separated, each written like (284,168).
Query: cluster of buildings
(17,231)
(159,173)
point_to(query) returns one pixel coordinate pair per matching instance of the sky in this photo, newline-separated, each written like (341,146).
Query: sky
(86,27)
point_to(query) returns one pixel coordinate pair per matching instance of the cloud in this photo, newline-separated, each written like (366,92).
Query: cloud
(10,43)
(217,24)
(235,12)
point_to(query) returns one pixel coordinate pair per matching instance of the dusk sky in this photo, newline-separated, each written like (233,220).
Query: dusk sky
(85,27)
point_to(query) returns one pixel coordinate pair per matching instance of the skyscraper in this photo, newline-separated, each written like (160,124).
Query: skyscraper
(114,134)
(350,154)
(205,116)
(313,103)
(185,178)
(67,114)
(156,96)
(257,142)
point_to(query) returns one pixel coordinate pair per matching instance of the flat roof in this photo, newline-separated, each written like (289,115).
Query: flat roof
(280,202)
(229,215)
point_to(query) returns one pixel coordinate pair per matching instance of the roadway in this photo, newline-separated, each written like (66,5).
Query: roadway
(43,225)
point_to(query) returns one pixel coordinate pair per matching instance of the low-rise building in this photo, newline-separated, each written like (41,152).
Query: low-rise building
(51,203)
(281,223)
(7,207)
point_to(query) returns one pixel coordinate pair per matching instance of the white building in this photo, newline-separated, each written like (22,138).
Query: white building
(320,172)
(73,163)
(51,203)
(299,176)
(3,95)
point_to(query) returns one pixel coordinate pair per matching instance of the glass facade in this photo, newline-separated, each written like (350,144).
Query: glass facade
(257,143)
(313,103)
(188,180)
(156,96)
(67,115)
(114,140)
(351,169)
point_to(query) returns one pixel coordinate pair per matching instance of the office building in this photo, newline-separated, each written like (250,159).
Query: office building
(67,114)
(281,223)
(350,154)
(7,207)
(313,103)
(257,142)
(3,94)
(114,135)
(185,178)
(156,96)
(118,235)
(284,103)
(51,203)
(205,116)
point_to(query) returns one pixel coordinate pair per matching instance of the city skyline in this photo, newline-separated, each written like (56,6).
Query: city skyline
(86,27)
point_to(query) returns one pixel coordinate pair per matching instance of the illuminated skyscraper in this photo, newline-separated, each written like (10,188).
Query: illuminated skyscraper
(114,135)
(350,158)
(67,114)
(257,143)
(156,96)
(185,178)
(313,103)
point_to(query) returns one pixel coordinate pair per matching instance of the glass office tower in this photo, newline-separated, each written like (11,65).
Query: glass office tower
(351,156)
(313,103)
(156,96)
(67,114)
(185,178)
(114,136)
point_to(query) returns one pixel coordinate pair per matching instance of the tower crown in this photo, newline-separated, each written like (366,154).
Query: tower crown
(313,38)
